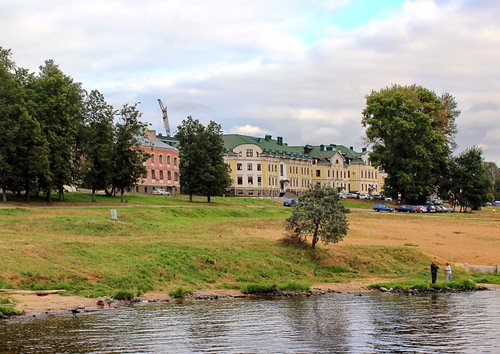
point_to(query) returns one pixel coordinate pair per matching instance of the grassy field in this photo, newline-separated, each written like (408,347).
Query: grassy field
(165,243)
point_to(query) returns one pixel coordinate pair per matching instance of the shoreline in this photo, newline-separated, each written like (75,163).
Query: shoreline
(33,305)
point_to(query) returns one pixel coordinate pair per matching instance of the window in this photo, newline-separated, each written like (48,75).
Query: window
(282,170)
(318,173)
(160,158)
(175,161)
(168,159)
(259,181)
(176,176)
(161,174)
(250,179)
(249,167)
(153,174)
(239,166)
(240,180)
(169,175)
(239,154)
(249,153)
(349,175)
(152,158)
(259,167)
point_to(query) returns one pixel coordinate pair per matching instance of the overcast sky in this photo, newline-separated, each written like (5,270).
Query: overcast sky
(299,69)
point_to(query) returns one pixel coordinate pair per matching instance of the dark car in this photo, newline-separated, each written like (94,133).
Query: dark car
(406,209)
(289,202)
(382,207)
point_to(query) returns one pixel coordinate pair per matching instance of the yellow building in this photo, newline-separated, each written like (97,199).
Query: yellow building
(269,167)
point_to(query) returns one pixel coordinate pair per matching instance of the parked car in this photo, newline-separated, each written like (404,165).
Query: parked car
(364,196)
(378,197)
(496,203)
(160,191)
(406,209)
(421,209)
(289,202)
(382,207)
(352,195)
(430,208)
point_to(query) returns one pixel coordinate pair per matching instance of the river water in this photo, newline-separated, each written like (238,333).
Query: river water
(445,323)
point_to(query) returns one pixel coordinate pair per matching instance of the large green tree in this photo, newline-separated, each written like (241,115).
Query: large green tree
(469,183)
(494,174)
(23,149)
(57,104)
(128,159)
(96,141)
(411,131)
(202,166)
(319,214)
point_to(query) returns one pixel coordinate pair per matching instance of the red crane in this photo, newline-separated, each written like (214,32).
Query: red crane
(165,117)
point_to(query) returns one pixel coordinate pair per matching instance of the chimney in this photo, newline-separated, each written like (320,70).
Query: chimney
(363,149)
(268,137)
(151,134)
(280,140)
(322,147)
(352,148)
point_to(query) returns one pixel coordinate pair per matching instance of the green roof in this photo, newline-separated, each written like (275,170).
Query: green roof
(279,147)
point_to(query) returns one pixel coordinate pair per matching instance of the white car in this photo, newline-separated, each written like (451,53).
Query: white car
(160,191)
(364,196)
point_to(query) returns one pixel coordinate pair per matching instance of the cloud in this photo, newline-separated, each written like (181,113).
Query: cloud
(278,67)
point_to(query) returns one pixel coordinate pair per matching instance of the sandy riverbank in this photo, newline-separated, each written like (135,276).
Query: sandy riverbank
(32,304)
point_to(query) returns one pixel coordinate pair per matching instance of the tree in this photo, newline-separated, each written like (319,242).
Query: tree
(23,150)
(494,174)
(56,102)
(319,213)
(97,136)
(202,166)
(469,183)
(128,159)
(411,131)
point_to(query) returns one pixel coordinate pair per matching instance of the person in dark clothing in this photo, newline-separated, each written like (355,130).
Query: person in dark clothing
(434,272)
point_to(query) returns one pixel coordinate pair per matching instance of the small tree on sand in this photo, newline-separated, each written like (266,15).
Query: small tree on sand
(318,213)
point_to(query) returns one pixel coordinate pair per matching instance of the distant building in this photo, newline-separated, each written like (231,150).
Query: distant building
(162,166)
(270,167)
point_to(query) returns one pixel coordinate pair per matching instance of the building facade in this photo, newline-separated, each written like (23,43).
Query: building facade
(269,167)
(162,167)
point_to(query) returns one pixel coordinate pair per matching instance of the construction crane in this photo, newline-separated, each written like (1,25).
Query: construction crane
(165,117)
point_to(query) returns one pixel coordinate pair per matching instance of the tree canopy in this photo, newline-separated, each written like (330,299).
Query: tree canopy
(469,183)
(202,166)
(53,134)
(411,130)
(319,214)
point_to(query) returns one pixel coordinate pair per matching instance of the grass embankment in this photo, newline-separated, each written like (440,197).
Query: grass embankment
(168,244)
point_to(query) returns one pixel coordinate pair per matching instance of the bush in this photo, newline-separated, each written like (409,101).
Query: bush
(8,311)
(294,287)
(124,295)
(258,289)
(180,292)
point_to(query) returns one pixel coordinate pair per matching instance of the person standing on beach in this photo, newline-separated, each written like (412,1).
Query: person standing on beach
(447,271)
(434,272)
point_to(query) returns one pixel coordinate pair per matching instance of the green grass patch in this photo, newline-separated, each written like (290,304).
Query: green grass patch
(124,295)
(464,284)
(486,278)
(180,292)
(9,311)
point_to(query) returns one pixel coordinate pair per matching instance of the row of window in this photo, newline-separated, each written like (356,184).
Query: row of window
(250,180)
(160,175)
(160,159)
(239,167)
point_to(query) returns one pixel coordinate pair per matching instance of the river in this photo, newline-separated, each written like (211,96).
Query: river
(446,323)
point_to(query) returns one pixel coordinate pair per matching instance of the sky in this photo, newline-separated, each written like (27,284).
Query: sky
(300,69)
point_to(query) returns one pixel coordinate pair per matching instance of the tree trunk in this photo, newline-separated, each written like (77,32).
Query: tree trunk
(93,195)
(190,197)
(4,195)
(48,196)
(208,198)
(122,192)
(315,236)
(60,196)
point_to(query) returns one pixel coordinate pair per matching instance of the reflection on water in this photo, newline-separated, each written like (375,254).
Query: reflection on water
(468,322)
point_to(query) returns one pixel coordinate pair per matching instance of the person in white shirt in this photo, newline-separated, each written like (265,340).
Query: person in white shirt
(447,271)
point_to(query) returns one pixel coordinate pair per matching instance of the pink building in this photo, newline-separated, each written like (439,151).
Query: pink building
(162,166)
